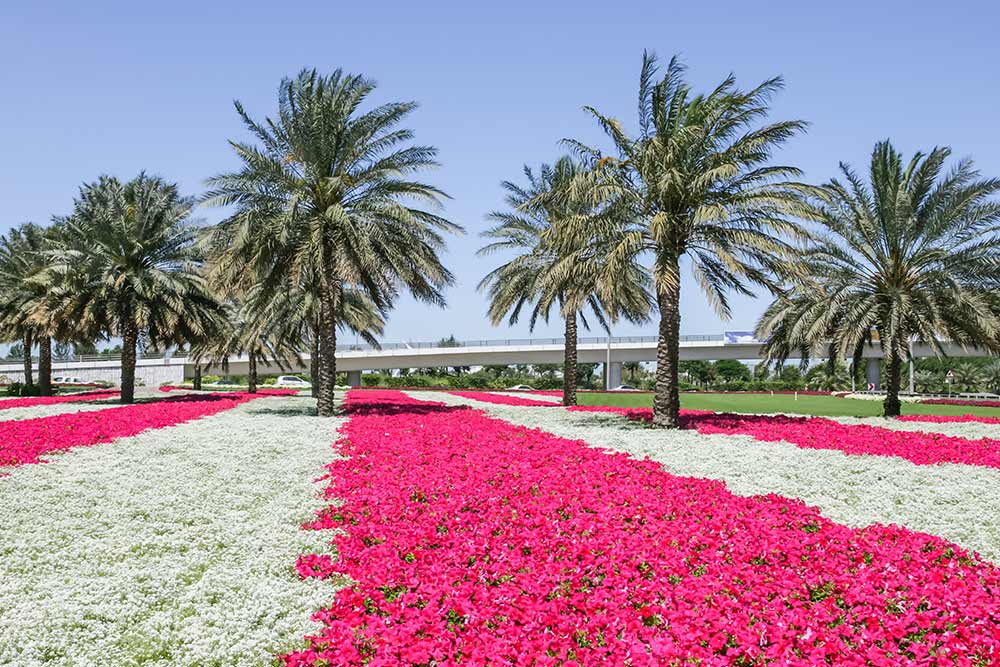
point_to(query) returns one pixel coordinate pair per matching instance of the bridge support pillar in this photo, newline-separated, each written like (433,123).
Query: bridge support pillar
(354,379)
(873,373)
(612,374)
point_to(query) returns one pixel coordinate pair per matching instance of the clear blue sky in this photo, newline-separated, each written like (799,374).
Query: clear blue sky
(91,88)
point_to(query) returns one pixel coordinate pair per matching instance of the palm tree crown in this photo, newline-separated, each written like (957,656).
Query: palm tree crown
(913,254)
(326,195)
(694,183)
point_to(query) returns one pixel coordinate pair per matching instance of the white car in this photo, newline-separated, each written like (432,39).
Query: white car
(292,382)
(521,387)
(68,379)
(626,387)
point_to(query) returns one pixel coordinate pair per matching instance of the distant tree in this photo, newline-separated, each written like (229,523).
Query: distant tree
(546,370)
(632,370)
(791,375)
(969,377)
(731,370)
(698,371)
(927,382)
(16,351)
(450,341)
(991,375)
(586,373)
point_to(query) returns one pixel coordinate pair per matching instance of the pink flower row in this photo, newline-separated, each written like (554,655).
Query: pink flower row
(948,419)
(487,397)
(32,401)
(959,401)
(819,433)
(475,542)
(24,441)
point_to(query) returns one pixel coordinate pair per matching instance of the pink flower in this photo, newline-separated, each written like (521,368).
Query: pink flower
(473,541)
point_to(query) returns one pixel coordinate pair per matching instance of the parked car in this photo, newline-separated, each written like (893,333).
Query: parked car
(292,382)
(626,387)
(521,387)
(68,379)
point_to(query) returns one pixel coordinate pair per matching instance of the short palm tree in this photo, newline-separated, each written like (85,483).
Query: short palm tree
(991,376)
(327,195)
(22,261)
(969,376)
(926,382)
(127,266)
(910,255)
(242,332)
(694,185)
(542,276)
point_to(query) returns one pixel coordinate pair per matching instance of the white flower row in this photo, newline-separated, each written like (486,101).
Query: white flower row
(175,547)
(960,503)
(39,411)
(970,430)
(881,397)
(534,397)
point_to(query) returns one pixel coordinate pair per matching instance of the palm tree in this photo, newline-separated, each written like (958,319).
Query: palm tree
(909,255)
(926,382)
(126,265)
(991,375)
(694,185)
(968,376)
(22,259)
(244,332)
(632,369)
(542,276)
(326,196)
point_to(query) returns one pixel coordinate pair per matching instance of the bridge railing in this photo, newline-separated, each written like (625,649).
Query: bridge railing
(412,345)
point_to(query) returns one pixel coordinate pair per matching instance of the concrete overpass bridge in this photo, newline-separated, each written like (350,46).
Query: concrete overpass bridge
(157,369)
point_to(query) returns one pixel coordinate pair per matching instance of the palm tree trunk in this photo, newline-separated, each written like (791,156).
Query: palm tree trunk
(667,400)
(894,371)
(569,361)
(252,375)
(28,379)
(314,363)
(130,341)
(196,383)
(325,402)
(45,365)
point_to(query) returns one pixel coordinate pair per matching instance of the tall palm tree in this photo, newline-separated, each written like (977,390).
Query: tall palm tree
(910,255)
(694,186)
(127,266)
(543,276)
(326,195)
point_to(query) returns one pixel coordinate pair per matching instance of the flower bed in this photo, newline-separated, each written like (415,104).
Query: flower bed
(32,401)
(472,541)
(959,401)
(500,399)
(24,441)
(819,433)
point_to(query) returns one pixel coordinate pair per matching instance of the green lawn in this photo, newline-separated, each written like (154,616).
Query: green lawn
(809,405)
